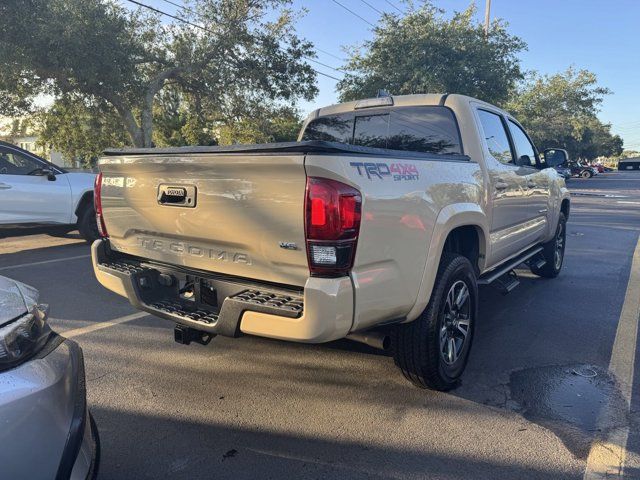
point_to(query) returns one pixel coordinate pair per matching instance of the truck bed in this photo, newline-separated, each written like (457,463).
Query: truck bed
(304,147)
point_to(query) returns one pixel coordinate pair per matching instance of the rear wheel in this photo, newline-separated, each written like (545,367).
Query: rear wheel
(586,174)
(87,225)
(432,351)
(553,251)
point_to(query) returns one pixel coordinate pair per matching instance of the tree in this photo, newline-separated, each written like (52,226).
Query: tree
(266,125)
(80,128)
(423,52)
(561,110)
(178,122)
(228,51)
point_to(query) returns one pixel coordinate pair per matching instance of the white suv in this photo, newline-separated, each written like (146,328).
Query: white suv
(34,191)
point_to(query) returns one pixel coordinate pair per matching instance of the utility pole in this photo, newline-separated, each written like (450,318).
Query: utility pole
(487,15)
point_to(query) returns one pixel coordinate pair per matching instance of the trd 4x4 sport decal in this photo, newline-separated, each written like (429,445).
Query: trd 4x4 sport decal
(398,171)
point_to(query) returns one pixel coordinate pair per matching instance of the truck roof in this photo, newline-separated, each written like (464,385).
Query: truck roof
(422,99)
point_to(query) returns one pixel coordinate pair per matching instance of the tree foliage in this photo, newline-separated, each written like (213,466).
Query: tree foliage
(98,51)
(266,125)
(80,128)
(423,52)
(560,110)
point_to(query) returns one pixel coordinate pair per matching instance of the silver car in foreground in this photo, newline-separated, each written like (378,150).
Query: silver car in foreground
(46,431)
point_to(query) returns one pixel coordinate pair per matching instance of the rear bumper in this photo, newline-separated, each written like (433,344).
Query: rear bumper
(321,312)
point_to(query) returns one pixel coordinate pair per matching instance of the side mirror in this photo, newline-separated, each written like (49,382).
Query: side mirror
(47,172)
(554,157)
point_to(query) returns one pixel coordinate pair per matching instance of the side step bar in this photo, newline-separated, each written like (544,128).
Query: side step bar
(490,277)
(507,282)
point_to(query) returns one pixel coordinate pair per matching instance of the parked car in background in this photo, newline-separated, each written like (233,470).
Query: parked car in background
(378,226)
(579,170)
(629,164)
(46,431)
(34,191)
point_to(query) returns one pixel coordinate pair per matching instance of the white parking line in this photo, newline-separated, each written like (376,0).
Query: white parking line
(43,262)
(76,332)
(607,456)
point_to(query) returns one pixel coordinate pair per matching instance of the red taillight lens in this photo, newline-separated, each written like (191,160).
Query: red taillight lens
(97,205)
(332,224)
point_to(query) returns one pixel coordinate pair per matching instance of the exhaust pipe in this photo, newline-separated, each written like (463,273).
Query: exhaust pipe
(378,340)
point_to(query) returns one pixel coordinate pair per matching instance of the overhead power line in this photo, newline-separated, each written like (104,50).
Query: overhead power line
(330,54)
(394,6)
(324,64)
(629,123)
(371,6)
(353,13)
(175,17)
(179,5)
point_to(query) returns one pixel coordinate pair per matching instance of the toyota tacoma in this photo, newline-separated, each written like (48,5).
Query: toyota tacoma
(377,225)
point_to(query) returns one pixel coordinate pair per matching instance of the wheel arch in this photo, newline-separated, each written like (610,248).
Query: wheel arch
(85,200)
(460,228)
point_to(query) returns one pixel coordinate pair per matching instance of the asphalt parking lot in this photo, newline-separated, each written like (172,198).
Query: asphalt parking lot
(529,405)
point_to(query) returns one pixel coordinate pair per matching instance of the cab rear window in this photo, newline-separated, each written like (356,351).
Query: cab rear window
(419,129)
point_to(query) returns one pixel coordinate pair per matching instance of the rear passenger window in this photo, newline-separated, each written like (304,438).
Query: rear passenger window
(430,129)
(496,136)
(424,129)
(332,128)
(371,131)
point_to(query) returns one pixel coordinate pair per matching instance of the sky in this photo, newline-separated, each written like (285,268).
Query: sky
(598,35)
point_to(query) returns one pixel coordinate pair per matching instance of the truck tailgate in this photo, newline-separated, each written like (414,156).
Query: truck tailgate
(236,210)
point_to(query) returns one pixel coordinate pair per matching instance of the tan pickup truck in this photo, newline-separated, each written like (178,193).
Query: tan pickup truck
(377,225)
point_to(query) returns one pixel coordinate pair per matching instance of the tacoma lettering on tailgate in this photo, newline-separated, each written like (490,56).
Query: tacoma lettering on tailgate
(182,249)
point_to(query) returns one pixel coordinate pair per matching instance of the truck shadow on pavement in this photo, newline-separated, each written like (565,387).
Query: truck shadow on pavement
(224,451)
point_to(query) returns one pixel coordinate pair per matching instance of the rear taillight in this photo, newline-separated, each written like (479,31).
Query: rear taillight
(332,223)
(97,205)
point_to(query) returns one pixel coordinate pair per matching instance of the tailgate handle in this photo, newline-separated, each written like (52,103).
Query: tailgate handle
(177,195)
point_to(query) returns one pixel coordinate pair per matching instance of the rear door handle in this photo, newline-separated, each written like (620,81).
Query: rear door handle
(4,186)
(501,185)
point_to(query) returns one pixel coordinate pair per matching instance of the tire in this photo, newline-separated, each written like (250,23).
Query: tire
(586,174)
(87,225)
(553,265)
(425,359)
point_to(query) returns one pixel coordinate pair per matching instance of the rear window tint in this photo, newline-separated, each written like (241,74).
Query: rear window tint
(419,129)
(424,129)
(332,128)
(371,131)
